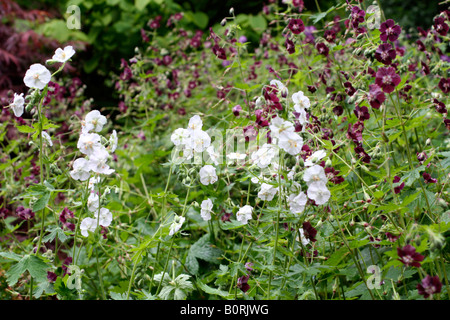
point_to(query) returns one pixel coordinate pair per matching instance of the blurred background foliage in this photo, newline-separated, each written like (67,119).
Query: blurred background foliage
(111,29)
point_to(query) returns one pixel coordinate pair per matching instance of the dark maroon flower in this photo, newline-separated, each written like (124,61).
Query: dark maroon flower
(332,175)
(447,123)
(296,26)
(290,47)
(249,266)
(440,26)
(312,89)
(420,46)
(357,16)
(391,237)
(309,232)
(225,216)
(25,213)
(429,286)
(338,110)
(428,179)
(322,49)
(440,106)
(362,154)
(155,23)
(298,4)
(385,53)
(444,85)
(329,35)
(376,96)
(236,110)
(421,156)
(242,283)
(425,68)
(65,265)
(349,89)
(144,36)
(387,79)
(219,52)
(355,132)
(409,257)
(362,113)
(51,276)
(389,31)
(250,133)
(122,107)
(261,119)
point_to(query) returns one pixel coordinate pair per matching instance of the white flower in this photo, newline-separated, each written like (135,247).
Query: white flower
(278,126)
(179,136)
(113,141)
(97,161)
(264,155)
(314,173)
(281,87)
(244,214)
(199,140)
(302,119)
(176,224)
(316,156)
(93,181)
(93,202)
(89,143)
(80,170)
(318,192)
(37,76)
(305,240)
(195,123)
(213,155)
(267,192)
(47,138)
(297,202)
(301,102)
(105,218)
(236,157)
(63,55)
(208,174)
(88,224)
(206,208)
(291,142)
(94,120)
(17,104)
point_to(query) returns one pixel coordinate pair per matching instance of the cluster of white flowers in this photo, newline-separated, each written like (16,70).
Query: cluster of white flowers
(193,139)
(38,76)
(285,137)
(316,180)
(97,152)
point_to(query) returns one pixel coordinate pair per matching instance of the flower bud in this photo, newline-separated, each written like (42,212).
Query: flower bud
(223,22)
(231,11)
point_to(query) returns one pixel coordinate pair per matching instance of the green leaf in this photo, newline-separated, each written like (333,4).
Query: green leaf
(213,291)
(55,232)
(25,129)
(34,265)
(258,23)
(41,202)
(141,4)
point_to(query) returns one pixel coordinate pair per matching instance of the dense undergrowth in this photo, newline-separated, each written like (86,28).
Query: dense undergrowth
(311,163)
